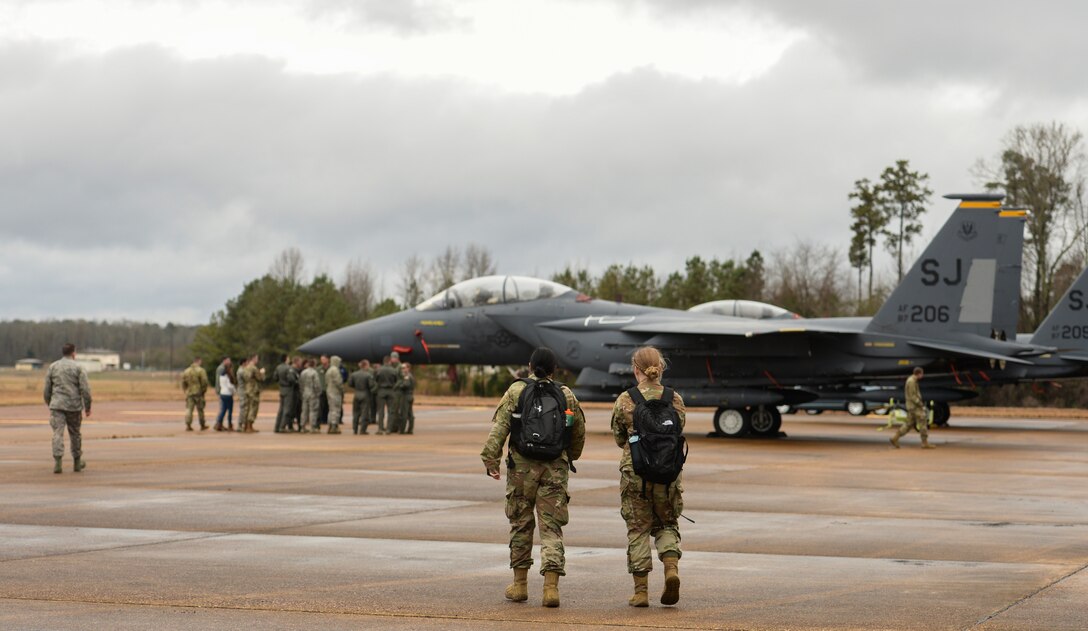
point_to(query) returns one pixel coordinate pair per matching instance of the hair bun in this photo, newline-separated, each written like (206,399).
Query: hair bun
(653,372)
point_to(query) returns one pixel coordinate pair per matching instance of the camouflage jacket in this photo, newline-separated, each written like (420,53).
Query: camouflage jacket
(914,395)
(66,387)
(194,381)
(334,382)
(286,377)
(622,412)
(309,384)
(250,380)
(500,427)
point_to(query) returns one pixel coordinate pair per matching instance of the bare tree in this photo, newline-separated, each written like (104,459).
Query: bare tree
(359,288)
(288,266)
(1042,166)
(412,281)
(477,262)
(444,269)
(808,279)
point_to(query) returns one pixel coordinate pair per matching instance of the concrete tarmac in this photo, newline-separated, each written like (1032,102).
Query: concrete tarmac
(829,528)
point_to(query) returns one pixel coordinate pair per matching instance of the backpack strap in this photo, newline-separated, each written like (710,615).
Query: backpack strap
(636,396)
(667,395)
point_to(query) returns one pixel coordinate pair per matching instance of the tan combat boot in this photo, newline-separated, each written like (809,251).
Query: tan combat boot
(671,594)
(56,464)
(641,598)
(80,465)
(925,443)
(518,591)
(551,589)
(894,440)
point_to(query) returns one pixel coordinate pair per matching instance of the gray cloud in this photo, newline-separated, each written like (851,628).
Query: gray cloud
(135,183)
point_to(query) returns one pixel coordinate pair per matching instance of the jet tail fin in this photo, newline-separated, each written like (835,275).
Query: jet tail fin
(1066,327)
(967,279)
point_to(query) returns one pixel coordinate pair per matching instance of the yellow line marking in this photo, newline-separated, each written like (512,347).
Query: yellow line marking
(980,205)
(1013,213)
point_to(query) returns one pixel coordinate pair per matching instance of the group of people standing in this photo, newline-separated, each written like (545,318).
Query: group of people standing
(311,394)
(537,487)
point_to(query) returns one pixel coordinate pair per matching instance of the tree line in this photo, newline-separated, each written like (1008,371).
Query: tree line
(142,344)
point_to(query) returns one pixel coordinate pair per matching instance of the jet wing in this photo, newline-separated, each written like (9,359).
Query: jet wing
(966,351)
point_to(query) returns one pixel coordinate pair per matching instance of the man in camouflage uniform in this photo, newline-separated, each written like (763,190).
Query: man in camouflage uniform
(916,411)
(240,394)
(534,485)
(334,391)
(386,381)
(194,381)
(68,396)
(286,377)
(310,386)
(362,382)
(252,395)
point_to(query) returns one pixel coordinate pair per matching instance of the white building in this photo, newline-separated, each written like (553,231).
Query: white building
(98,359)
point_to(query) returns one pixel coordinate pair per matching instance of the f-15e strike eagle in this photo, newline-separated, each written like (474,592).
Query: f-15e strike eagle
(957,307)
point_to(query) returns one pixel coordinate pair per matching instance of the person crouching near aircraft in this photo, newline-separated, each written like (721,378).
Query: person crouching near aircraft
(642,424)
(916,411)
(536,469)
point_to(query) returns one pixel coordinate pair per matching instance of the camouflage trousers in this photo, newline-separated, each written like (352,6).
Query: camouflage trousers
(59,419)
(336,410)
(539,487)
(654,515)
(916,420)
(194,401)
(252,403)
(311,408)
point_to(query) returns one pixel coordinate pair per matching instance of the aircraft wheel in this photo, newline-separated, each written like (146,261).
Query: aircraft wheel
(857,408)
(814,412)
(941,413)
(765,421)
(731,422)
(786,409)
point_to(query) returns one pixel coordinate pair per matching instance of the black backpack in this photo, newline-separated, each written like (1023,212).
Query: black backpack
(538,428)
(658,448)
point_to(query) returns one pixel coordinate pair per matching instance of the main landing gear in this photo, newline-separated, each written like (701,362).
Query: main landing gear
(763,421)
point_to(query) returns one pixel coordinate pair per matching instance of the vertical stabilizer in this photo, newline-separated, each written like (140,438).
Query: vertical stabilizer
(1066,327)
(962,281)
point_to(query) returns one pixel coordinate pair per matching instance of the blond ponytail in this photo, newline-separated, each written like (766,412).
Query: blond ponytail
(649,362)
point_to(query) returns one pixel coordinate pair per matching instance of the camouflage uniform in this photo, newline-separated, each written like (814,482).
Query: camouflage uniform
(386,379)
(68,395)
(656,513)
(240,394)
(311,406)
(362,382)
(916,411)
(252,394)
(195,383)
(534,484)
(405,397)
(334,390)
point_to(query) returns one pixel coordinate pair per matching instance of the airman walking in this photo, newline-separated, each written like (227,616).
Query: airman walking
(917,418)
(533,485)
(334,390)
(364,387)
(194,381)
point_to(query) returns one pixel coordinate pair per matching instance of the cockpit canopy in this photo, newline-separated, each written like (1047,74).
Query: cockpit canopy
(492,290)
(745,309)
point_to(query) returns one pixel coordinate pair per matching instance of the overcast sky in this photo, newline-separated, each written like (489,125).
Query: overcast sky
(157,155)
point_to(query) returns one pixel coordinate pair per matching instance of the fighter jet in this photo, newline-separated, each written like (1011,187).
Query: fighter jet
(944,310)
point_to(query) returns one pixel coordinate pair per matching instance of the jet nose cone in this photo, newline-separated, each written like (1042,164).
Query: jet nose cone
(353,342)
